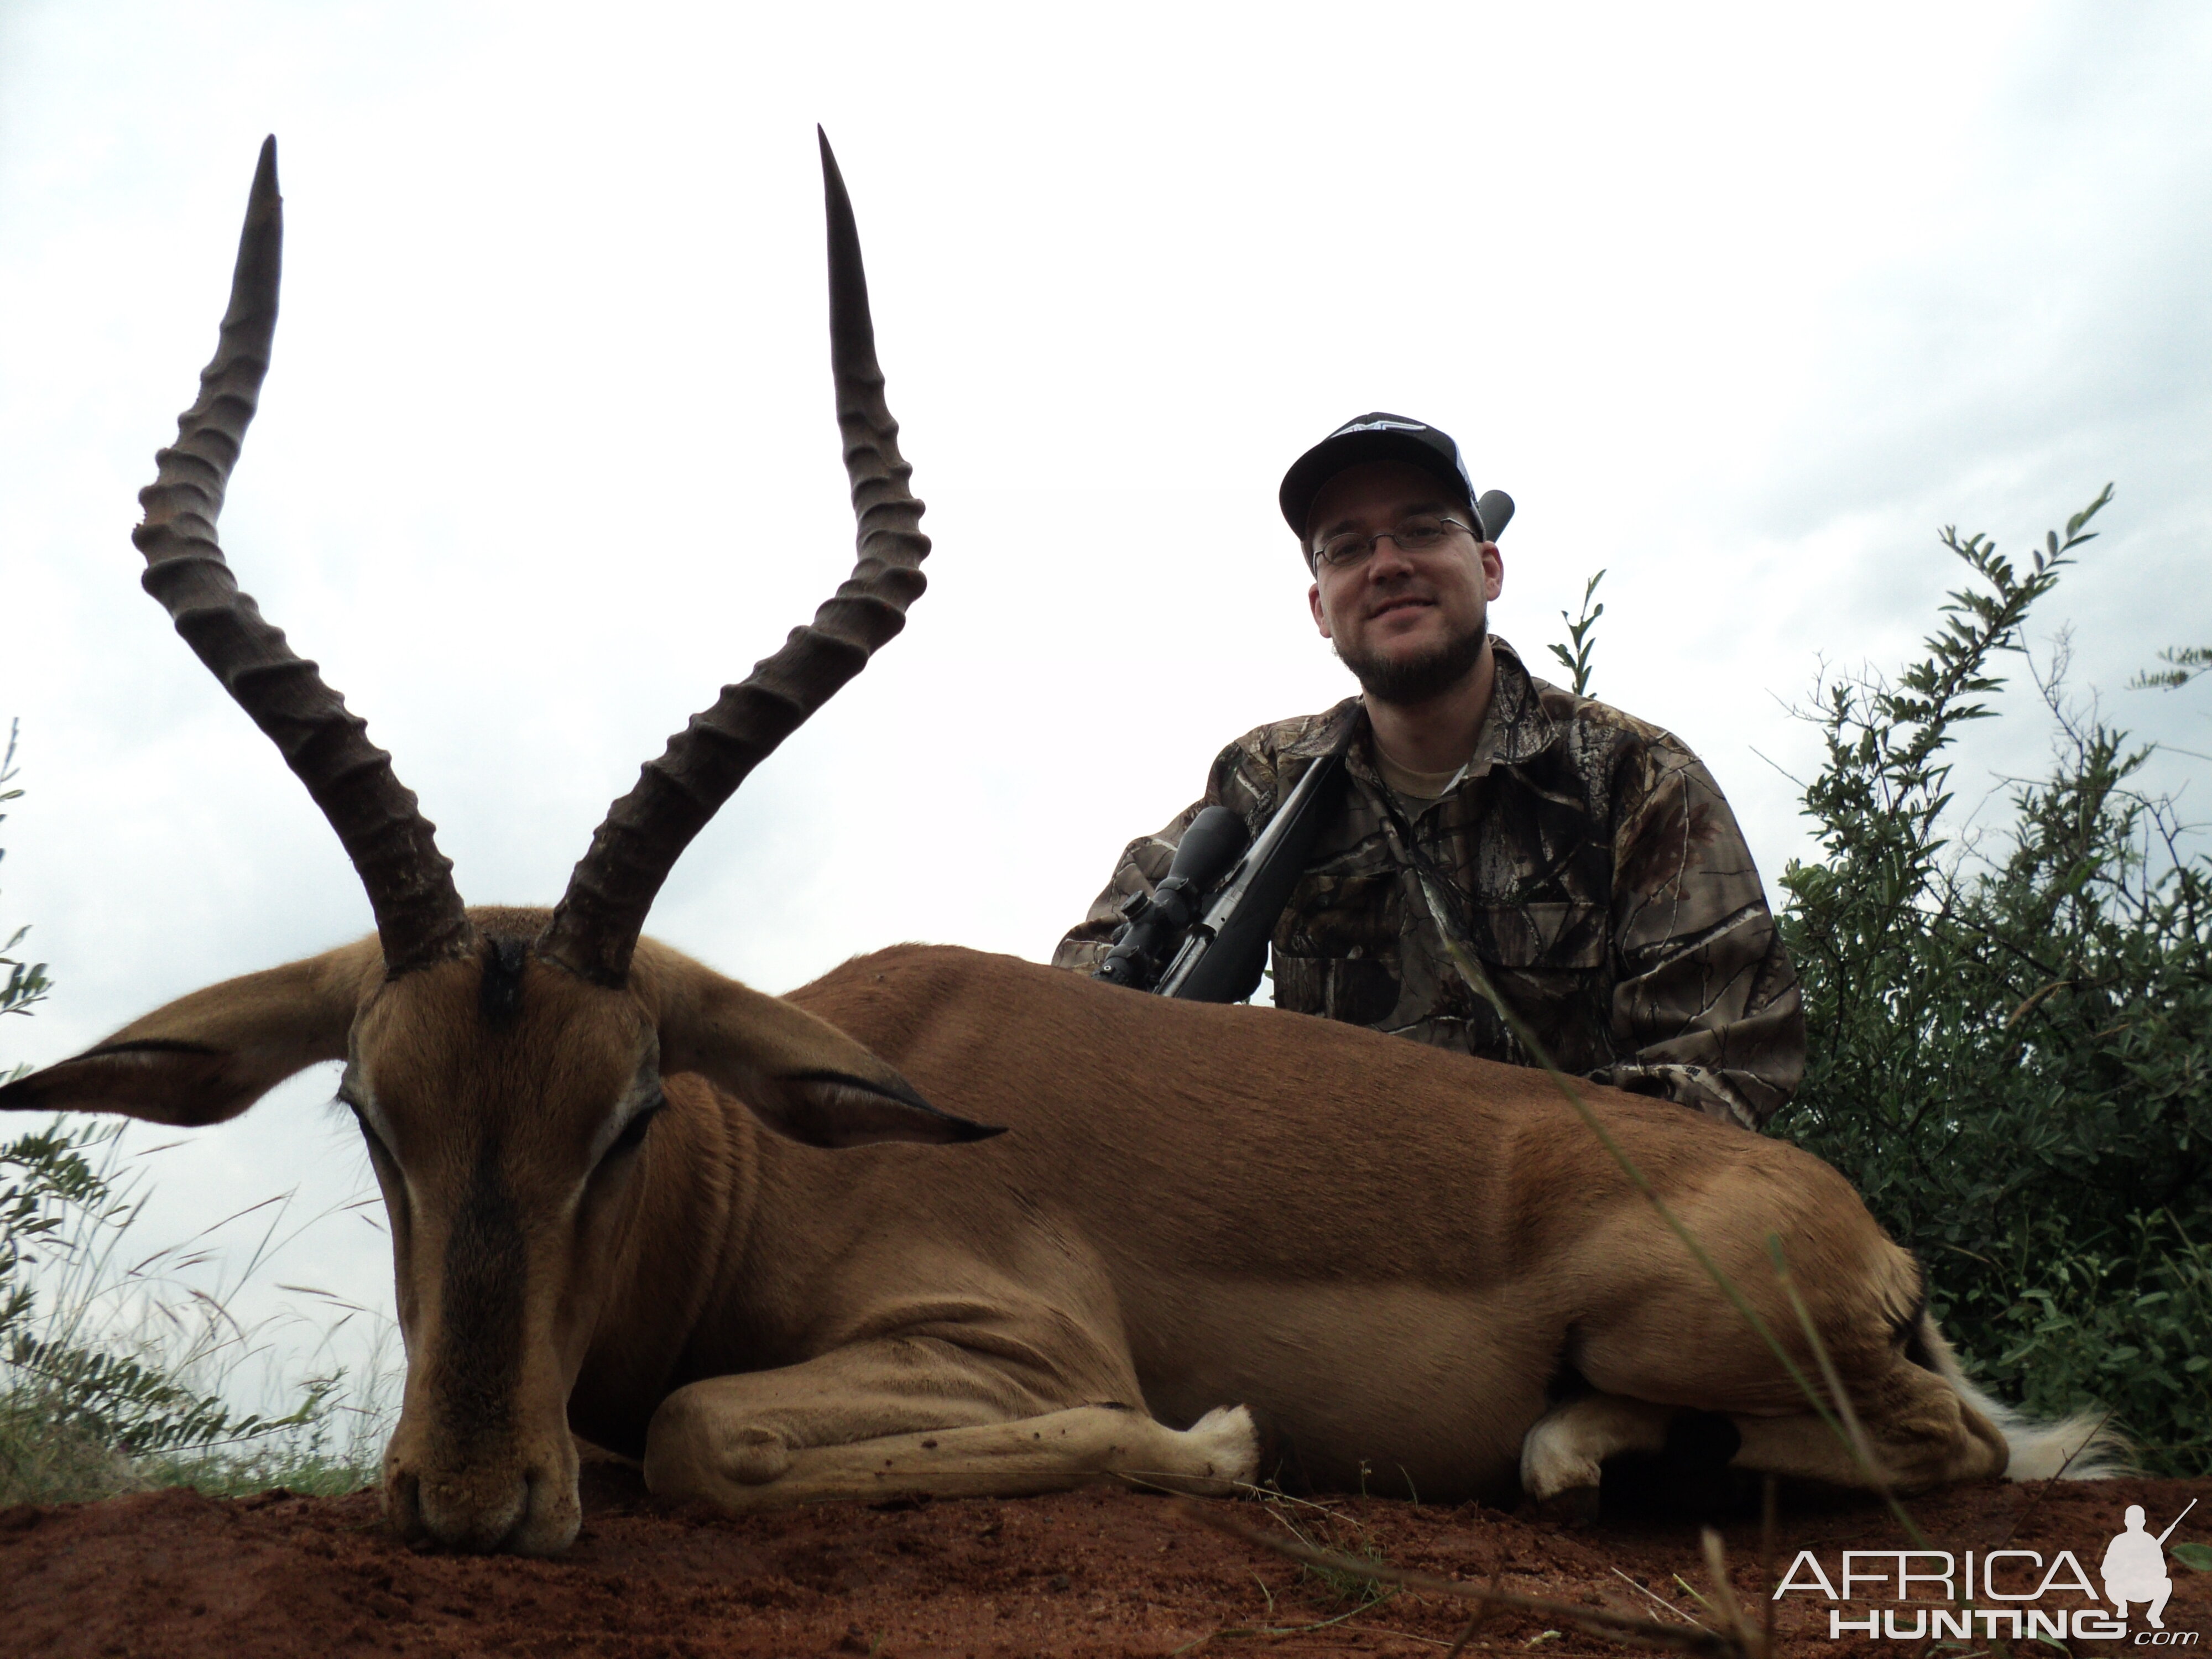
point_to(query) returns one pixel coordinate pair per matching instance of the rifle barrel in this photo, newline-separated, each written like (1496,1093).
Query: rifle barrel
(2177,1520)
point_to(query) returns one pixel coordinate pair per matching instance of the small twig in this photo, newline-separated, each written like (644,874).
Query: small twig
(2043,1490)
(2028,1003)
(1961,1250)
(1277,1495)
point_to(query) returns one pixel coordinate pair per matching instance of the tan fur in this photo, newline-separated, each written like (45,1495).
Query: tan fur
(1386,1253)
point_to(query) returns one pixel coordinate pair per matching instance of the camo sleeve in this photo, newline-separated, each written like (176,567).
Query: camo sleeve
(1705,994)
(1243,777)
(1143,867)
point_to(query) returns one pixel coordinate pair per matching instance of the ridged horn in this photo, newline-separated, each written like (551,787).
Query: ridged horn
(596,926)
(393,847)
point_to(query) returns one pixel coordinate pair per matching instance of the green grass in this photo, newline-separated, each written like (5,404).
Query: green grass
(123,1371)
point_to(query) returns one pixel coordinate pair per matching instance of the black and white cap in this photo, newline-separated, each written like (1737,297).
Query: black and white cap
(1377,436)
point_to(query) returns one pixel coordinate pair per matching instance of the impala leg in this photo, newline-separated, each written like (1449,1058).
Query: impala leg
(896,1416)
(1922,1433)
(1077,1447)
(1561,1456)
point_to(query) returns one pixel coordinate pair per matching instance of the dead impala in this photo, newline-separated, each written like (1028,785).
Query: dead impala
(632,1198)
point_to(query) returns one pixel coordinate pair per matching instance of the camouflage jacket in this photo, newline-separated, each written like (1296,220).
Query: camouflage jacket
(1586,860)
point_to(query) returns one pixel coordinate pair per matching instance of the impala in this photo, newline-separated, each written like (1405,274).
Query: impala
(729,1233)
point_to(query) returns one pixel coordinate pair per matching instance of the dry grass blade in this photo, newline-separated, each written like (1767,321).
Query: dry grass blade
(1269,1632)
(1616,1626)
(1767,1489)
(1725,1593)
(1481,1615)
(1654,1598)
(1479,981)
(1846,1429)
(1852,1432)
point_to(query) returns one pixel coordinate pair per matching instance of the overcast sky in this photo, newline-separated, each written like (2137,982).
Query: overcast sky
(1742,304)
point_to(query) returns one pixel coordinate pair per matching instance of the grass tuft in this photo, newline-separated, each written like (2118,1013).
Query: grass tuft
(120,1373)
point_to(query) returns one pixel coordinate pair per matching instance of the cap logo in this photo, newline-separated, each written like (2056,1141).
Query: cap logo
(1379,426)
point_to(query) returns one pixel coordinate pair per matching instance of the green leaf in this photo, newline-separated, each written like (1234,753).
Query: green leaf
(2197,1558)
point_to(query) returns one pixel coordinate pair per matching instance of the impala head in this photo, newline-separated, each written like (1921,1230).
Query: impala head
(508,1067)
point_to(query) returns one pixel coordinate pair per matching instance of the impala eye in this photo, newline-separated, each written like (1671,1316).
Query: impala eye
(375,1141)
(633,1134)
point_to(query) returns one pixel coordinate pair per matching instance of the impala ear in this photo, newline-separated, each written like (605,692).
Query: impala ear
(209,1057)
(837,1109)
(801,1076)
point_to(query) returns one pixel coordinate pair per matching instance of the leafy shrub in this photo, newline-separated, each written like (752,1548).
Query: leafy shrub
(117,1374)
(2009,1052)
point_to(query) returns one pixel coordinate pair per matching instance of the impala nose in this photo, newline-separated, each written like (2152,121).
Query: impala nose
(533,1512)
(472,1513)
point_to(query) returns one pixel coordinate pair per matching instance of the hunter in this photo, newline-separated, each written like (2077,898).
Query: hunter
(1586,861)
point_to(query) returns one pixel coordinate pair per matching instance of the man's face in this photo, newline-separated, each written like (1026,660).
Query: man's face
(1402,623)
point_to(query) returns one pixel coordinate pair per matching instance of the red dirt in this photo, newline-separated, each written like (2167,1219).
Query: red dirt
(176,1575)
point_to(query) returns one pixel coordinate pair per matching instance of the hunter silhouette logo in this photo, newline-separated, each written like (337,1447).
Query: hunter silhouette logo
(2134,1566)
(2011,1594)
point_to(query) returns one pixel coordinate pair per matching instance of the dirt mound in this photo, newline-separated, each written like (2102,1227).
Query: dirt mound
(176,1575)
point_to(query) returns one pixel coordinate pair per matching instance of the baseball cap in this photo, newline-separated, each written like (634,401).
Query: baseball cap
(1375,436)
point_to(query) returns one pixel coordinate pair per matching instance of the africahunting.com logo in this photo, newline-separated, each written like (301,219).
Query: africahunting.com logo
(2013,1595)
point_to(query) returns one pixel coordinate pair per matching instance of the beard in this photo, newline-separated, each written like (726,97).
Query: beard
(1410,680)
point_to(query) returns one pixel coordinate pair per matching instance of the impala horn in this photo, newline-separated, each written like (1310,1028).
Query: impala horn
(393,847)
(595,928)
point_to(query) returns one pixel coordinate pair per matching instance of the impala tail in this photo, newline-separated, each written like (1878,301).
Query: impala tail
(2079,1447)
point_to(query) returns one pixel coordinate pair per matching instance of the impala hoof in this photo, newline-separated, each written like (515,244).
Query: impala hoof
(1570,1506)
(1229,1442)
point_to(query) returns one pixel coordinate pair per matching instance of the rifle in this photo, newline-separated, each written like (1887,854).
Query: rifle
(1156,924)
(1202,934)
(1222,957)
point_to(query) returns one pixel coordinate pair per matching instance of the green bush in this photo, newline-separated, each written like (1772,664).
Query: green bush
(117,1374)
(2009,1043)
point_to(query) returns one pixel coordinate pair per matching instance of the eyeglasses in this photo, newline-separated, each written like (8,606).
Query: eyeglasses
(1415,535)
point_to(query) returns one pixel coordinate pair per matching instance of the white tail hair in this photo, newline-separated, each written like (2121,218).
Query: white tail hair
(2082,1446)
